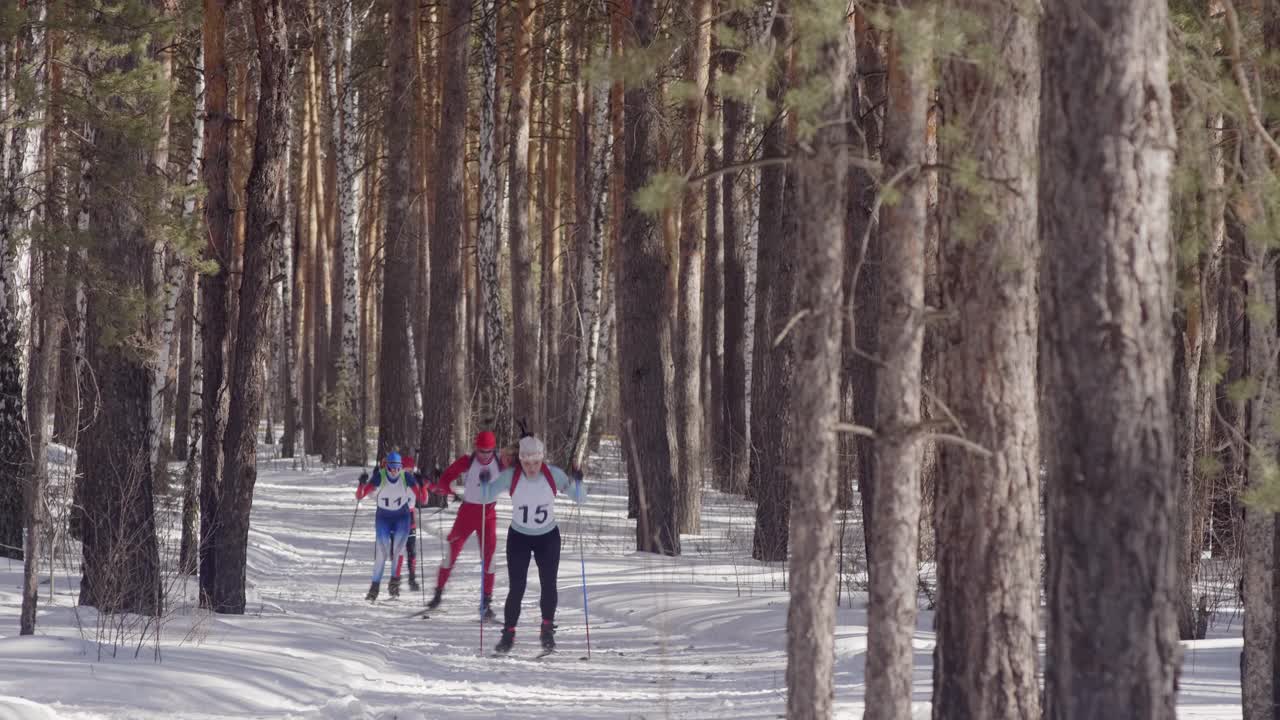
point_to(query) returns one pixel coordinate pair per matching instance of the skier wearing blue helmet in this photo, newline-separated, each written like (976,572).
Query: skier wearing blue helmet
(394,492)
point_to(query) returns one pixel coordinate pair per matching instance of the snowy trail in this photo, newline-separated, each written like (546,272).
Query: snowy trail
(698,636)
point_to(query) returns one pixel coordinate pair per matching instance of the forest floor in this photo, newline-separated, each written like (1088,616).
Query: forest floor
(702,635)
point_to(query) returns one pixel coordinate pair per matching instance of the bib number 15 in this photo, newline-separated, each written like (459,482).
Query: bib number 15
(540,514)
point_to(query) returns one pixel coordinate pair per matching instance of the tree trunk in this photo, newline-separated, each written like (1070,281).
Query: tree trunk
(643,310)
(863,262)
(447,238)
(524,306)
(771,364)
(121,570)
(268,179)
(820,175)
(892,566)
(591,266)
(735,431)
(689,416)
(351,437)
(553,386)
(1106,300)
(188,545)
(986,662)
(494,393)
(213,289)
(395,371)
(46,329)
(713,305)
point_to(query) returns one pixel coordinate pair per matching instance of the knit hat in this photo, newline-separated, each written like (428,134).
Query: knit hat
(531,448)
(408,462)
(485,440)
(393,458)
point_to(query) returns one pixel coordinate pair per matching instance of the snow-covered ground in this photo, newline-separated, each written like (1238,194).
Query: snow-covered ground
(702,635)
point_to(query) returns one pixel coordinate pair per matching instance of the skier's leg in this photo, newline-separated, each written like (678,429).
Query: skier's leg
(518,553)
(463,526)
(547,554)
(381,548)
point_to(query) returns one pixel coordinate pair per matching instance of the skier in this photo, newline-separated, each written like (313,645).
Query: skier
(411,544)
(533,486)
(394,492)
(473,515)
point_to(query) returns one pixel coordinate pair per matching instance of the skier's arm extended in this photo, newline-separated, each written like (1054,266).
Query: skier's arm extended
(489,491)
(570,485)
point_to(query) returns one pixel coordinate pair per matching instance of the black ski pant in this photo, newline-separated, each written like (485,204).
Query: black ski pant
(545,551)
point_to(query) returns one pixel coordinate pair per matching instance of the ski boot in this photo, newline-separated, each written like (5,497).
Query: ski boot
(435,600)
(413,579)
(393,587)
(506,641)
(548,636)
(486,612)
(372,595)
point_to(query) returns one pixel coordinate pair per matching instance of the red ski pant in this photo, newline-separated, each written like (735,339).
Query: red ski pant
(466,522)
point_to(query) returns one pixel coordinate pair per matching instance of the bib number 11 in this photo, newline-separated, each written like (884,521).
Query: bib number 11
(539,514)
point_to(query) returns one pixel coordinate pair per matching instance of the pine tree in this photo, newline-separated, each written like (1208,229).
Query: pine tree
(1106,301)
(986,661)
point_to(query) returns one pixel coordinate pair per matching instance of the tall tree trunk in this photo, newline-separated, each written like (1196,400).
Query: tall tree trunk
(689,417)
(264,222)
(188,544)
(736,433)
(292,300)
(182,430)
(347,354)
(213,289)
(524,306)
(46,327)
(14,449)
(713,301)
(447,237)
(863,261)
(591,267)
(395,371)
(892,566)
(820,175)
(771,363)
(643,310)
(1106,300)
(121,570)
(553,277)
(495,398)
(986,662)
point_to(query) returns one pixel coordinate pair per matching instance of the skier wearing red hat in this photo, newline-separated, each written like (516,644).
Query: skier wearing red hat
(474,515)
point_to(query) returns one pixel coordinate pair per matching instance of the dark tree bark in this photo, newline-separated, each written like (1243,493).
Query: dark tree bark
(986,661)
(820,175)
(524,307)
(182,402)
(892,564)
(643,306)
(13,436)
(121,570)
(735,433)
(213,288)
(444,331)
(264,224)
(862,260)
(395,370)
(771,364)
(1106,300)
(713,308)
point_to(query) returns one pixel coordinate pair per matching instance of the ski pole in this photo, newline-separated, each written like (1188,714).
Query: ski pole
(417,526)
(483,532)
(344,552)
(582,556)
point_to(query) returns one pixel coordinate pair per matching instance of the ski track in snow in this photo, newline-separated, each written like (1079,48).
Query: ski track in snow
(697,636)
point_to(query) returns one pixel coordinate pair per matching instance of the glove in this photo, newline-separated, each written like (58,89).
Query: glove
(364,477)
(576,474)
